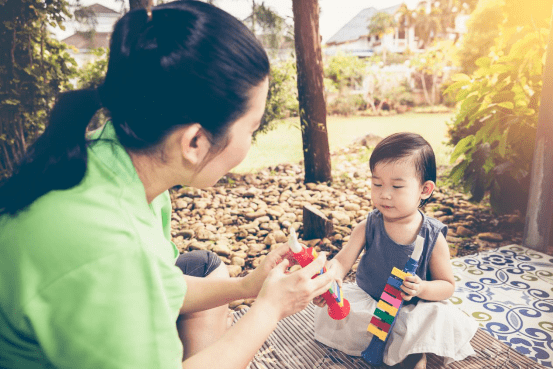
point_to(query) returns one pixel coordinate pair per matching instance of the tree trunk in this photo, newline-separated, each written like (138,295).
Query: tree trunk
(315,224)
(312,104)
(538,225)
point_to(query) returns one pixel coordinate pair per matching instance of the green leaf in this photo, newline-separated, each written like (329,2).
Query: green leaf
(460,77)
(483,62)
(458,171)
(502,148)
(503,96)
(461,148)
(455,86)
(507,105)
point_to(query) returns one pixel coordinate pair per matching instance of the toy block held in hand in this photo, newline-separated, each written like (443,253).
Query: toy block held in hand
(338,306)
(389,306)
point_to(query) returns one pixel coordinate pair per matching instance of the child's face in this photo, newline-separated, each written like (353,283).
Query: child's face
(396,189)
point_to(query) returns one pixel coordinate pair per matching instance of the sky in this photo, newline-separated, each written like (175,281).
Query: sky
(334,13)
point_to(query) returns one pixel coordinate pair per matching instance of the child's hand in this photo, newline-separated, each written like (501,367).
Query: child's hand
(411,287)
(332,269)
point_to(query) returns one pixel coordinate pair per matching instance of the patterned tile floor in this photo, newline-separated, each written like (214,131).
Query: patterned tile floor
(509,291)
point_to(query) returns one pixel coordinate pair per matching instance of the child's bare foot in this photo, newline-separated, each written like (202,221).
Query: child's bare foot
(414,361)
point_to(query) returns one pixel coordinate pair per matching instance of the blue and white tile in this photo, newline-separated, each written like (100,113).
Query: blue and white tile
(509,291)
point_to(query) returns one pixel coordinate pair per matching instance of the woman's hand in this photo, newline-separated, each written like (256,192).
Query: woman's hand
(253,281)
(333,269)
(290,293)
(411,287)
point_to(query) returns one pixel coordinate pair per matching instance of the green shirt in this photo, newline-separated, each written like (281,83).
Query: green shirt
(87,275)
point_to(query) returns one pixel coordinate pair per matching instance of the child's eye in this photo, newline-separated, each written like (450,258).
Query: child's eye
(398,186)
(377,185)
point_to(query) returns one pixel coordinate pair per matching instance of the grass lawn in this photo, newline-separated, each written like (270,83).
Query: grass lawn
(283,145)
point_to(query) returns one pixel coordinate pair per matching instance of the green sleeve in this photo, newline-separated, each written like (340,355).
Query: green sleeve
(113,312)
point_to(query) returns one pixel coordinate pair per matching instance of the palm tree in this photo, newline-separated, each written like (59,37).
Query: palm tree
(381,23)
(427,22)
(404,20)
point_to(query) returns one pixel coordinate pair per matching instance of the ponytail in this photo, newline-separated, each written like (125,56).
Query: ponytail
(57,159)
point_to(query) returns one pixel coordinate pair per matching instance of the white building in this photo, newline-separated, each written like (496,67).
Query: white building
(82,41)
(353,38)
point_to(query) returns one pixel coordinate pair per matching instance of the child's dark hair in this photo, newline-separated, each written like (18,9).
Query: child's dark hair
(191,62)
(402,145)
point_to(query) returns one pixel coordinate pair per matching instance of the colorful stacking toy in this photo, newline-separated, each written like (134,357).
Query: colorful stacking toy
(388,307)
(338,306)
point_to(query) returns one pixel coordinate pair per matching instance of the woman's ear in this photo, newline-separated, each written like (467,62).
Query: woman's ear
(427,188)
(194,144)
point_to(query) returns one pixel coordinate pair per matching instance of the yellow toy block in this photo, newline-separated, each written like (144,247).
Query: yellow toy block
(400,273)
(377,332)
(382,305)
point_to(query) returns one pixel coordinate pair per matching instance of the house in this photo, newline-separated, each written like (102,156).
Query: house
(83,41)
(353,37)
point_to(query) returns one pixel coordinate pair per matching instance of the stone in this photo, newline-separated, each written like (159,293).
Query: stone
(352,207)
(490,236)
(221,249)
(196,245)
(269,240)
(186,233)
(234,270)
(280,237)
(340,217)
(464,232)
(238,261)
(256,248)
(255,214)
(290,217)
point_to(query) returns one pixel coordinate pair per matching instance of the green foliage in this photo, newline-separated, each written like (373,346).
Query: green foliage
(483,29)
(381,23)
(282,100)
(91,75)
(347,104)
(429,68)
(34,68)
(495,126)
(345,71)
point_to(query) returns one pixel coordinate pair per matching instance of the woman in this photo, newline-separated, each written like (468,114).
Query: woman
(87,269)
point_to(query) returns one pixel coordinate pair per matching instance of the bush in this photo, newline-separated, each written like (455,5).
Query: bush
(92,75)
(282,100)
(495,126)
(345,71)
(347,104)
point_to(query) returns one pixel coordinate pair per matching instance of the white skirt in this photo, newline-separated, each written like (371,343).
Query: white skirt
(426,327)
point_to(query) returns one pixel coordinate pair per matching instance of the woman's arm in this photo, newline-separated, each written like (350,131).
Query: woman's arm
(281,295)
(442,285)
(207,293)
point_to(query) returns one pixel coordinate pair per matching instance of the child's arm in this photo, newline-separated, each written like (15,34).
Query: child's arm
(442,285)
(341,264)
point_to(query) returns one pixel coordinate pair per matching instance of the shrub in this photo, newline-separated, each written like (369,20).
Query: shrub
(282,100)
(347,104)
(495,126)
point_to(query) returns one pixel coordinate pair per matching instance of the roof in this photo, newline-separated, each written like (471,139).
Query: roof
(80,41)
(100,9)
(357,27)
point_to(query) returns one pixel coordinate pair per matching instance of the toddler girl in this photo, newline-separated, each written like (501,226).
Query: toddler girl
(403,170)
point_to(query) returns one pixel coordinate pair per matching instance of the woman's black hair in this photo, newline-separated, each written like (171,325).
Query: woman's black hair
(189,63)
(402,145)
